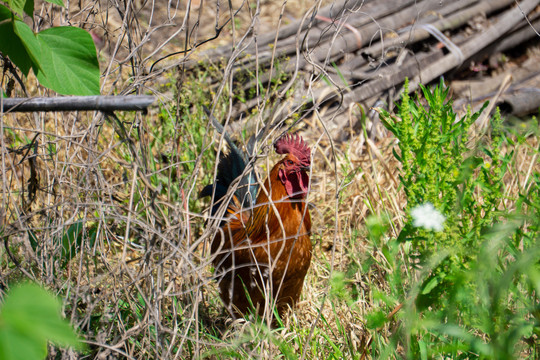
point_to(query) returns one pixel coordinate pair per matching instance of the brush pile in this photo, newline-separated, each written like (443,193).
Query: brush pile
(339,61)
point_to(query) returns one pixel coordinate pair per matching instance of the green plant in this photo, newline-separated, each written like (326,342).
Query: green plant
(29,318)
(463,184)
(71,240)
(62,58)
(474,270)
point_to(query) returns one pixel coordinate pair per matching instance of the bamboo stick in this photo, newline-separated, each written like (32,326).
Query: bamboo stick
(77,103)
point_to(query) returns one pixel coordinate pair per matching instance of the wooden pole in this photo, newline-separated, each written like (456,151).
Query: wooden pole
(77,103)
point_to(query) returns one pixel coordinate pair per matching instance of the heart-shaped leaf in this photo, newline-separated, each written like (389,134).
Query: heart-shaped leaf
(68,61)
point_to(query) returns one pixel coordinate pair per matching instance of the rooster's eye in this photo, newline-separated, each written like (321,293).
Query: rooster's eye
(290,163)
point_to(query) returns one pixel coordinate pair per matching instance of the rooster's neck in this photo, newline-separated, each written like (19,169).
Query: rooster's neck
(292,213)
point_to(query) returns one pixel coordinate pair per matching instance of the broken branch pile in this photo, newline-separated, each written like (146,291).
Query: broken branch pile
(355,54)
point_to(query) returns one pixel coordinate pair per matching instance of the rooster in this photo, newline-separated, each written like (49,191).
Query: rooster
(263,246)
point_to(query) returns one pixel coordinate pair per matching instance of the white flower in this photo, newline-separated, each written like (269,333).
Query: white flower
(428,217)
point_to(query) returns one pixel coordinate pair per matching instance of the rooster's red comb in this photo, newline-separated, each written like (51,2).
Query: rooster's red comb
(295,145)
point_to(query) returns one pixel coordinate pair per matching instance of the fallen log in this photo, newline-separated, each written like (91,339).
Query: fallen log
(496,31)
(479,88)
(520,102)
(426,71)
(519,99)
(347,44)
(455,20)
(363,51)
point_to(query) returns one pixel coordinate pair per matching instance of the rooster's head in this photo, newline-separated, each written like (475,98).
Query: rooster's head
(294,168)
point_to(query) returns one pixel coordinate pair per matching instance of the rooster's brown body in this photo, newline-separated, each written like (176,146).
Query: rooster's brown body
(262,253)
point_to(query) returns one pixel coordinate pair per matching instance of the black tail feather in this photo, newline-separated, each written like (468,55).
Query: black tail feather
(232,166)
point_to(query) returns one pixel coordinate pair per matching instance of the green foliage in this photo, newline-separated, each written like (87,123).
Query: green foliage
(464,184)
(68,61)
(29,317)
(338,287)
(474,293)
(63,58)
(70,240)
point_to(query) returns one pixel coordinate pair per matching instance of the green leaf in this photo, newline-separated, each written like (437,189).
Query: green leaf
(5,14)
(56,2)
(388,255)
(69,61)
(19,6)
(15,345)
(430,285)
(30,317)
(423,349)
(29,7)
(29,41)
(376,320)
(338,284)
(14,48)
(396,155)
(467,168)
(72,241)
(22,7)
(34,242)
